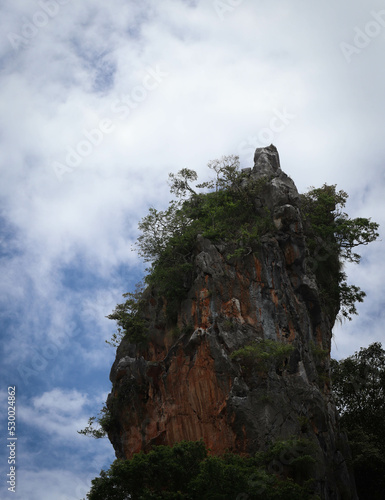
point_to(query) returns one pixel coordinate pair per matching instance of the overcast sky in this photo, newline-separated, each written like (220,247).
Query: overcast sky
(99,101)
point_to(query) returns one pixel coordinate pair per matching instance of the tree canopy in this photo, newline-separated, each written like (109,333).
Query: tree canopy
(186,471)
(358,384)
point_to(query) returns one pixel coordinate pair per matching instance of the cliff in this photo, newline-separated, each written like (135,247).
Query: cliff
(186,383)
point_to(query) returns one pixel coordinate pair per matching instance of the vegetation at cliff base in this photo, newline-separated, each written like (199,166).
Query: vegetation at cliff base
(187,472)
(359,389)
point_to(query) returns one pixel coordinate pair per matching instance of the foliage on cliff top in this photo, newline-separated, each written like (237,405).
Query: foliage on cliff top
(223,209)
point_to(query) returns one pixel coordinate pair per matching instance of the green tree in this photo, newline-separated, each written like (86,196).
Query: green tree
(332,239)
(129,319)
(99,426)
(210,212)
(186,471)
(359,387)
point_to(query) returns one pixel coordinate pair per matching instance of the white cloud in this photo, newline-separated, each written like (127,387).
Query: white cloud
(58,412)
(53,460)
(59,401)
(41,483)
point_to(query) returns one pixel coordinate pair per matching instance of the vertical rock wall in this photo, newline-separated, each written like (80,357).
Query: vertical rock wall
(185,386)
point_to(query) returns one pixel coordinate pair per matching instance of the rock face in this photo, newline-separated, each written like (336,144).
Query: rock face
(184,385)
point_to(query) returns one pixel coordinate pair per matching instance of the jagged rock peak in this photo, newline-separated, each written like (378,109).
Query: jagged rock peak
(266,161)
(280,190)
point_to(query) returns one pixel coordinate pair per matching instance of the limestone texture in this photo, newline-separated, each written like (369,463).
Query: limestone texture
(184,384)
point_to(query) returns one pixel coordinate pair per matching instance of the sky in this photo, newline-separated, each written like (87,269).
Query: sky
(99,102)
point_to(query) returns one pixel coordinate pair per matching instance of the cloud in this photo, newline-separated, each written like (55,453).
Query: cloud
(41,483)
(48,484)
(58,412)
(53,460)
